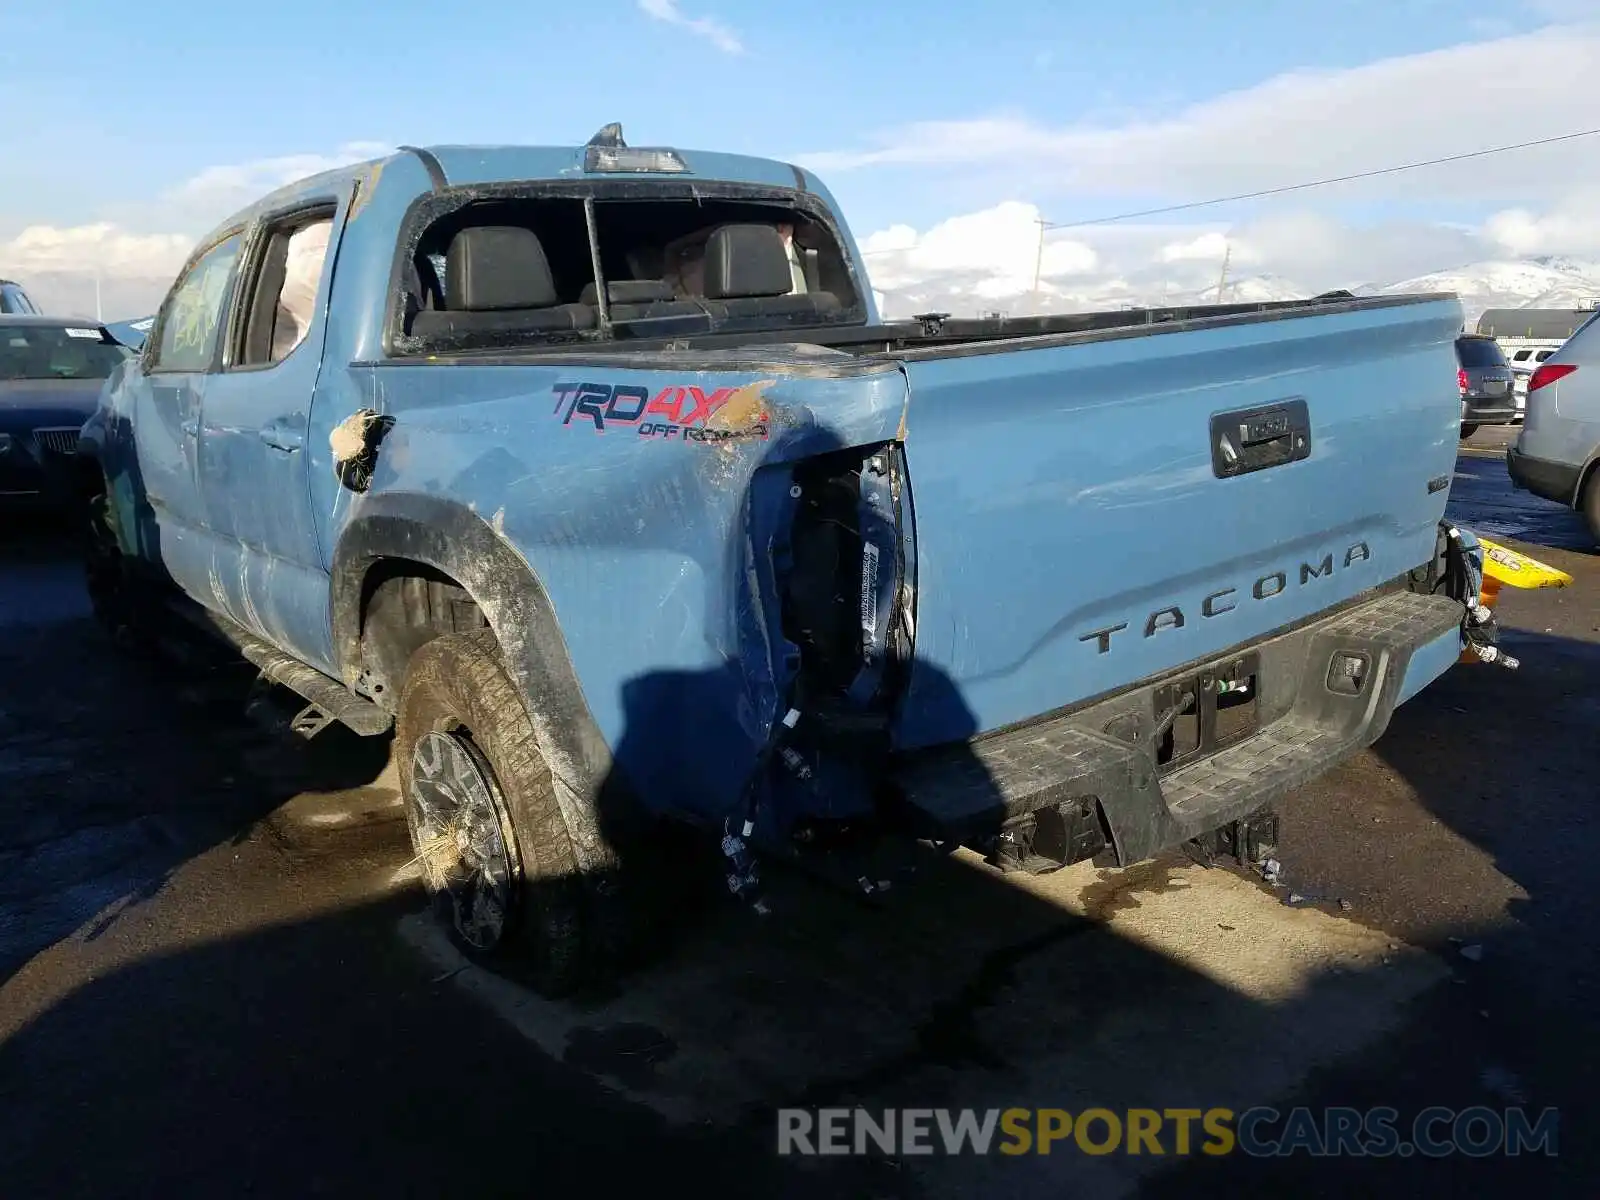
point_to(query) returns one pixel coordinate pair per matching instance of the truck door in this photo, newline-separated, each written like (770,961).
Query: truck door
(254,481)
(163,394)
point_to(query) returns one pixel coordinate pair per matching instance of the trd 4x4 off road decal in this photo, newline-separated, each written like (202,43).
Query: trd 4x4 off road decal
(690,413)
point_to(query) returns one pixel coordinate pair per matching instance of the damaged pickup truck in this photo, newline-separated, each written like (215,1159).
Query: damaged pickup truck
(595,475)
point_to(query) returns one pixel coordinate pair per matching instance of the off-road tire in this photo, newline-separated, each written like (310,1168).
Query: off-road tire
(458,683)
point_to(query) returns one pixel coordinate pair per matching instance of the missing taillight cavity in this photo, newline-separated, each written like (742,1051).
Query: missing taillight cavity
(846,594)
(819,612)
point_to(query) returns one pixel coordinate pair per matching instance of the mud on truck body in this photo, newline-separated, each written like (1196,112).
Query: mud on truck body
(597,477)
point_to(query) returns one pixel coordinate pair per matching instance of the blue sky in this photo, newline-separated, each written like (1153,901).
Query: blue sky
(147,95)
(125,103)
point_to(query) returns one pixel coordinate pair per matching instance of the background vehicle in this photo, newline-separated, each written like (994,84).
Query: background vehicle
(1483,377)
(51,372)
(15,301)
(131,333)
(1528,336)
(1524,362)
(1556,453)
(594,472)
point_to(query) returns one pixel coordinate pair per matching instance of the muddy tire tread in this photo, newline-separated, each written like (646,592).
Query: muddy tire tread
(460,678)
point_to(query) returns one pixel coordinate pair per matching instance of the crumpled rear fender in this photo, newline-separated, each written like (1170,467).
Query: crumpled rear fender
(452,538)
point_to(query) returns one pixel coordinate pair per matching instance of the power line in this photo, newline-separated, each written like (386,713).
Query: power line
(1316,183)
(1300,187)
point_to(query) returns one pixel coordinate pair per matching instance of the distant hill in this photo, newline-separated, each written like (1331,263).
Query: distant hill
(1547,282)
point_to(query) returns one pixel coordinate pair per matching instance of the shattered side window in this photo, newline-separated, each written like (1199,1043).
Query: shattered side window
(190,325)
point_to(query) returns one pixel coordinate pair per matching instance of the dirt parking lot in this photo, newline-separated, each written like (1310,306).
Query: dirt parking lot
(215,977)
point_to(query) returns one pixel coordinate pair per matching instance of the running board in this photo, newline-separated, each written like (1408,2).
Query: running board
(328,700)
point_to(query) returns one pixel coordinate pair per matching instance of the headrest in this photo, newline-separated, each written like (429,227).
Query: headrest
(746,261)
(489,267)
(628,291)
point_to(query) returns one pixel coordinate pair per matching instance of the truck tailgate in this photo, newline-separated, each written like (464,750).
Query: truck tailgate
(1080,527)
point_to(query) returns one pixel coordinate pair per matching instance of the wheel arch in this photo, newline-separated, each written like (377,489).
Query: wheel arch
(449,538)
(1586,474)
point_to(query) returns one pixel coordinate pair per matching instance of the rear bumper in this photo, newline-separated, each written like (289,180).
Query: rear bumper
(1499,411)
(1545,479)
(1106,753)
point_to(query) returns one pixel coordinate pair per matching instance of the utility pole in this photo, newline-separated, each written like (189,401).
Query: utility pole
(1038,259)
(99,313)
(1222,280)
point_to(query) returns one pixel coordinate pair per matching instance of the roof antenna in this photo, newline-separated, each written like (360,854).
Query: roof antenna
(609,135)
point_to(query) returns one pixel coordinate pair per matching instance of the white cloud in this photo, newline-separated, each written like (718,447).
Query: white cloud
(1571,227)
(1208,247)
(995,251)
(215,192)
(1302,126)
(103,246)
(60,266)
(712,30)
(985,261)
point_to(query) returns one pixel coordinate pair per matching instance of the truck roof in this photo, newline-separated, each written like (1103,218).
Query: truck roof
(477,164)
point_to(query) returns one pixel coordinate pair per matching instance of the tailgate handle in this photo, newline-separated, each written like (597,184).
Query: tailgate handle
(1253,439)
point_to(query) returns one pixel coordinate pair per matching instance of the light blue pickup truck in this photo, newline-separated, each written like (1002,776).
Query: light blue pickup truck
(595,476)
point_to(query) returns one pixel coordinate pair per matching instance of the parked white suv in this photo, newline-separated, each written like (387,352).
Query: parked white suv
(1524,362)
(1557,453)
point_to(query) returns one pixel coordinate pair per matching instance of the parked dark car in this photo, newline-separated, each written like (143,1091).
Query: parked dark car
(1485,380)
(51,372)
(14,300)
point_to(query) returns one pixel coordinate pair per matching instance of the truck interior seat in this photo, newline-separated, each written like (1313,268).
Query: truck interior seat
(747,275)
(497,279)
(641,300)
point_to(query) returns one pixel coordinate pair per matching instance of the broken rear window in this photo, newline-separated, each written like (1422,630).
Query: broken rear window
(522,271)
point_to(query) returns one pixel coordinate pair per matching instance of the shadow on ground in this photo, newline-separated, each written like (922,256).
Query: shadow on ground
(1477,838)
(115,772)
(252,1023)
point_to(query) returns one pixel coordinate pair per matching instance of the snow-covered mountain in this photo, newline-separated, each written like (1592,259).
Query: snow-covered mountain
(1547,282)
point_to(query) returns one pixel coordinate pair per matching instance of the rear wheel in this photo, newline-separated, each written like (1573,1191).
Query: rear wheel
(1468,428)
(486,829)
(1589,503)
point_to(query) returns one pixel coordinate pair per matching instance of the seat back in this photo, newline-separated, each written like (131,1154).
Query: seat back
(747,274)
(497,280)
